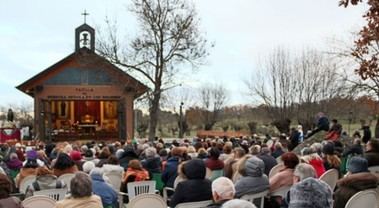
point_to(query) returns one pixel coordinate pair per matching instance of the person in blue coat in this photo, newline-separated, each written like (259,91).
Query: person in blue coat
(171,169)
(99,187)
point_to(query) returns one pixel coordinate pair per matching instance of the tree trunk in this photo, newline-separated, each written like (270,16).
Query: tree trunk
(154,111)
(377,128)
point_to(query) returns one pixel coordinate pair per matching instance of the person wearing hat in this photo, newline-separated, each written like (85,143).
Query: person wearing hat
(311,192)
(76,156)
(196,187)
(331,160)
(253,180)
(372,152)
(357,179)
(32,154)
(30,168)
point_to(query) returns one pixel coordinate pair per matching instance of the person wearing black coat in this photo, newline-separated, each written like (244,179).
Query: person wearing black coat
(128,155)
(196,187)
(372,152)
(322,124)
(267,159)
(294,138)
(366,134)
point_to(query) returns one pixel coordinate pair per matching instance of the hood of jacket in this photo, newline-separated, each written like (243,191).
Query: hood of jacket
(254,167)
(194,169)
(359,181)
(14,164)
(97,177)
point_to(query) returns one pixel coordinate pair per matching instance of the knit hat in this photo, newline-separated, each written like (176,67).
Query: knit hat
(31,155)
(357,165)
(75,155)
(328,148)
(311,192)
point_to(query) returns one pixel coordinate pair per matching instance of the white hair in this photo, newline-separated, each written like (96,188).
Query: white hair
(224,188)
(150,152)
(67,149)
(238,203)
(88,166)
(304,170)
(97,171)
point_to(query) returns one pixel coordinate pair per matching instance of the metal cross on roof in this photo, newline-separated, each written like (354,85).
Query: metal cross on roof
(85,13)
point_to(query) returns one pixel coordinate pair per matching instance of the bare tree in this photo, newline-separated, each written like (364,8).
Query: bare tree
(212,100)
(169,38)
(292,87)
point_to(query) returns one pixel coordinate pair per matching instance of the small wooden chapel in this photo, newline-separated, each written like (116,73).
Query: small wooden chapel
(83,96)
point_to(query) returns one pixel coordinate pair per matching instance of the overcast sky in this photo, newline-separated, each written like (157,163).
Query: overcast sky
(36,34)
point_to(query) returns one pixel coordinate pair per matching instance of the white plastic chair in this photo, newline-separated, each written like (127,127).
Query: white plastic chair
(366,199)
(26,182)
(115,179)
(140,187)
(39,202)
(56,194)
(147,200)
(274,170)
(254,197)
(330,177)
(374,169)
(66,178)
(200,204)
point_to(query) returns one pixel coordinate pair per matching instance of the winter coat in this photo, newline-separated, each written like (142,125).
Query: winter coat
(319,167)
(366,134)
(254,180)
(196,187)
(84,202)
(355,149)
(269,162)
(170,172)
(213,164)
(107,194)
(72,169)
(14,164)
(350,185)
(372,158)
(294,139)
(323,123)
(107,168)
(281,179)
(132,175)
(153,165)
(277,153)
(128,155)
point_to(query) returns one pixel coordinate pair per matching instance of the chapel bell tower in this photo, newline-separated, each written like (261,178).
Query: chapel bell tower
(85,36)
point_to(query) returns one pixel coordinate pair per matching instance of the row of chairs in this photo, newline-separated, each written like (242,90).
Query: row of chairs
(28,180)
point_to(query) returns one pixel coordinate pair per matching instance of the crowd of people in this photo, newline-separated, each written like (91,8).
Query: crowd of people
(188,168)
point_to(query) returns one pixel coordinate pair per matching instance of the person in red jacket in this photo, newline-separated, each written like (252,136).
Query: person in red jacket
(312,158)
